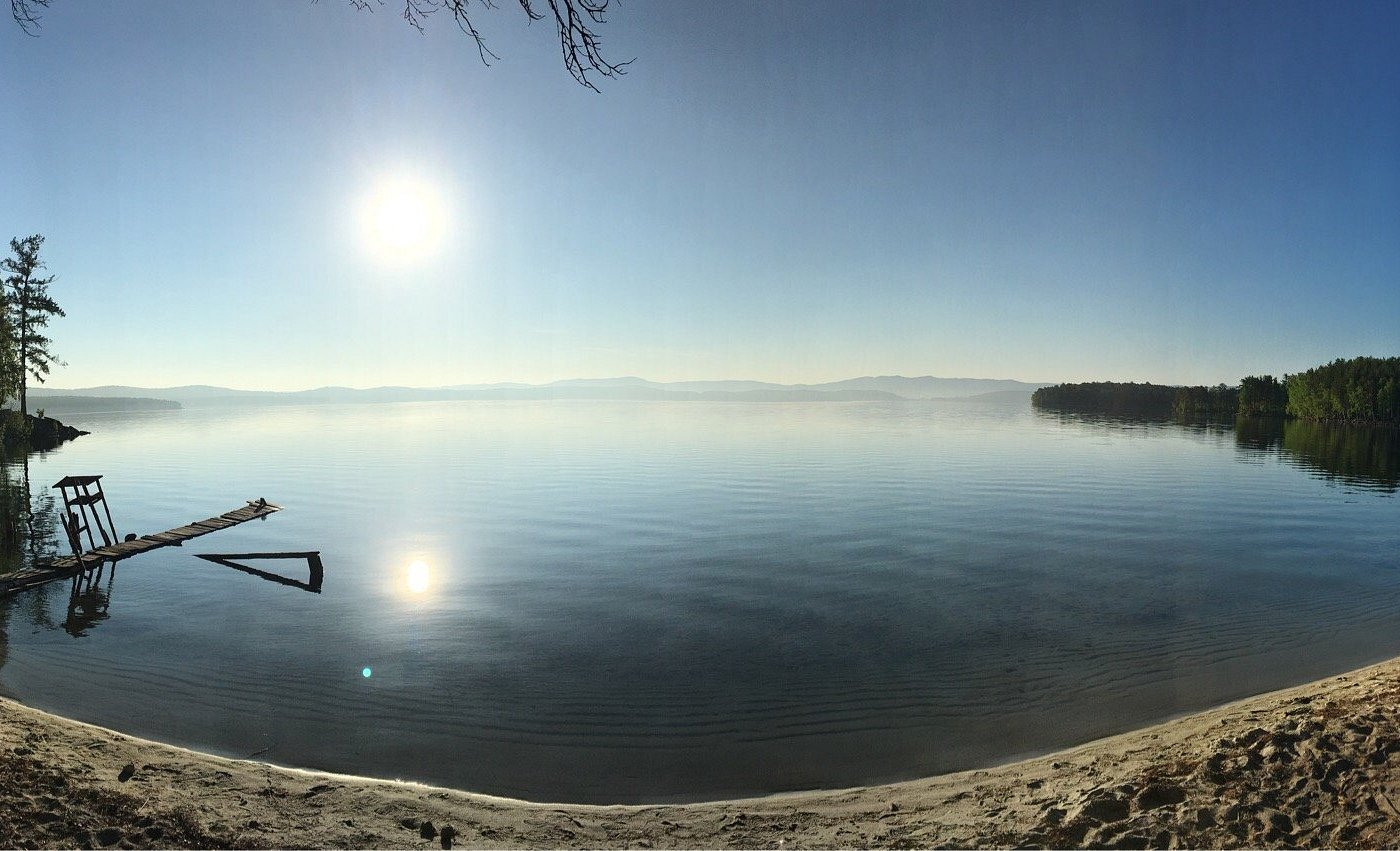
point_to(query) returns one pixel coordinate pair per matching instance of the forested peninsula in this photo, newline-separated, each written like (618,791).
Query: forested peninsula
(1356,390)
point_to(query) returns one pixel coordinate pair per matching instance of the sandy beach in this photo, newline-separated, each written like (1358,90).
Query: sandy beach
(1313,765)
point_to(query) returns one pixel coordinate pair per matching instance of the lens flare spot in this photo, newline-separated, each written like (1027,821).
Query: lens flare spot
(366,672)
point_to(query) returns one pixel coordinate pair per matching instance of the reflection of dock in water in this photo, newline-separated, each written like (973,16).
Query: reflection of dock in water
(92,535)
(88,600)
(313,562)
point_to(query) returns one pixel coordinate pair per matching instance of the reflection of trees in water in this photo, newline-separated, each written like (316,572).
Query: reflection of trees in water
(28,522)
(41,520)
(1366,456)
(13,520)
(38,538)
(1131,420)
(28,534)
(1197,424)
(1259,434)
(11,547)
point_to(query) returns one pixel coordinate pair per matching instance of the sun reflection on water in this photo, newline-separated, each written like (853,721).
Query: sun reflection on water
(419,577)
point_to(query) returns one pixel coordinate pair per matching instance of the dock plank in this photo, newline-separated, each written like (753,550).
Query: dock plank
(65,566)
(187,532)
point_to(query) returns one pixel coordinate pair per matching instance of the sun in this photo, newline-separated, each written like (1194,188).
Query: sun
(403,220)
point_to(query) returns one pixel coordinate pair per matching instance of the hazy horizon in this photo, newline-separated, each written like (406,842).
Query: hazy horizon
(616,380)
(43,389)
(574,378)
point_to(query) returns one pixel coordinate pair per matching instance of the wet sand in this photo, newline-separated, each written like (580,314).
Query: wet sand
(1315,765)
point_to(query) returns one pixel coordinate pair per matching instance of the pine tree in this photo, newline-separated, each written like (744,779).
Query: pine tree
(29,307)
(9,356)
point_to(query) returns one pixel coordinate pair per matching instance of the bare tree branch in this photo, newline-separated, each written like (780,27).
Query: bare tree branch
(580,45)
(574,20)
(26,14)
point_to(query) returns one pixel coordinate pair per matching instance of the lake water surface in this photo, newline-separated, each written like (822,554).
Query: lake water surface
(646,601)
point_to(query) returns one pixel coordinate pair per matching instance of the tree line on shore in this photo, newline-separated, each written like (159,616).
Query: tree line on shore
(26,352)
(1134,399)
(1356,390)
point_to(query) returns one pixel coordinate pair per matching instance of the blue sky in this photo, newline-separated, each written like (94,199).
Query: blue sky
(796,192)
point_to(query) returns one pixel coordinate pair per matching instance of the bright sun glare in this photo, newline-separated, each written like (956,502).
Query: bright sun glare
(402,220)
(418,577)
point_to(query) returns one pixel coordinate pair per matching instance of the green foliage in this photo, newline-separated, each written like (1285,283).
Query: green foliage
(1218,401)
(15,430)
(28,309)
(9,359)
(1142,400)
(1108,397)
(1357,390)
(1262,396)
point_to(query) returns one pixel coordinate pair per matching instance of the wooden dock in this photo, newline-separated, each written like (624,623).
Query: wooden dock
(66,566)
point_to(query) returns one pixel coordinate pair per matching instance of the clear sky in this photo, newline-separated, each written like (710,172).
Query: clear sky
(790,191)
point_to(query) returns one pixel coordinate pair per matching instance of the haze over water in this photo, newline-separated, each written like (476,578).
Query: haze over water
(647,601)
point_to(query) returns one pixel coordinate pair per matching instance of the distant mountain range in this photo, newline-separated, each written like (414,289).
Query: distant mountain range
(869,389)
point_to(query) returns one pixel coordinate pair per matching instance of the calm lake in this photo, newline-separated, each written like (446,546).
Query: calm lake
(647,601)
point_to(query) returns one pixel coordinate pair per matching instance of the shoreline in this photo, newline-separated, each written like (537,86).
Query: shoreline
(1314,764)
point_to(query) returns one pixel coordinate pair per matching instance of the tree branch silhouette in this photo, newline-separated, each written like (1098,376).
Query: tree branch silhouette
(26,14)
(574,20)
(579,43)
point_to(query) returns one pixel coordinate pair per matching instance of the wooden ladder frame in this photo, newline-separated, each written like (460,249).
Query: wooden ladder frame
(78,491)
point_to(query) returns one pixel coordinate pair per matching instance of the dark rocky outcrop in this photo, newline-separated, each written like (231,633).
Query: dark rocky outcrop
(27,432)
